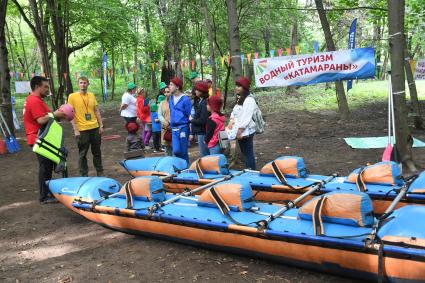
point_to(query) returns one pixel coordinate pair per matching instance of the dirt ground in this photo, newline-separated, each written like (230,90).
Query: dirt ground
(49,243)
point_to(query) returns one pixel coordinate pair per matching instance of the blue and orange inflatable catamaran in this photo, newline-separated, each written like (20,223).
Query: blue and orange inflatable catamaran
(335,231)
(283,179)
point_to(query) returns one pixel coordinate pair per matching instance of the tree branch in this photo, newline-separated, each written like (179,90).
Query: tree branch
(81,46)
(26,19)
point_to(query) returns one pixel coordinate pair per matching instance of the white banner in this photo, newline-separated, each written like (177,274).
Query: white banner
(358,63)
(420,70)
(22,87)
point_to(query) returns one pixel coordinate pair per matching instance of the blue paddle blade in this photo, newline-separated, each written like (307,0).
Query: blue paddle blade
(15,144)
(9,146)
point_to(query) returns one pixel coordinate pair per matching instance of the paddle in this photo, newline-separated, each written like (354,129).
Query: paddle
(158,205)
(14,143)
(264,223)
(390,208)
(390,150)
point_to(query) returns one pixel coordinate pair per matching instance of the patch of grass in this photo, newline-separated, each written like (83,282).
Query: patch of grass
(318,98)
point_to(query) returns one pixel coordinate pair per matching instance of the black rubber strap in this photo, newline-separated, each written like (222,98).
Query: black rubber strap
(198,169)
(317,217)
(128,195)
(224,208)
(360,182)
(279,175)
(281,178)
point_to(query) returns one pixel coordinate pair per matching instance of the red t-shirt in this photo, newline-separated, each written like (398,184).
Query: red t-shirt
(34,108)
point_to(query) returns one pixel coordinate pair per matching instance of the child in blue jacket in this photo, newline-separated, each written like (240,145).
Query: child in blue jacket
(156,128)
(180,108)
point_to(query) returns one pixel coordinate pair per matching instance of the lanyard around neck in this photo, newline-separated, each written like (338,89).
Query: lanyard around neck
(84,101)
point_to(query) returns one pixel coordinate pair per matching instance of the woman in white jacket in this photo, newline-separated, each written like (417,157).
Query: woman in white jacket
(241,119)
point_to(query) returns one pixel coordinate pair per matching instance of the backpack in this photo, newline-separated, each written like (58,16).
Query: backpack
(257,117)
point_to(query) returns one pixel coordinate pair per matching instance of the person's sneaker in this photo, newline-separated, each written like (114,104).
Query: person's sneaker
(155,151)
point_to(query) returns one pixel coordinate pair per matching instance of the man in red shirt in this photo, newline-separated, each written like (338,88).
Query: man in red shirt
(36,118)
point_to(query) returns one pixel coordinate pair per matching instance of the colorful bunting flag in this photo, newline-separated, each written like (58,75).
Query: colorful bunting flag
(271,53)
(242,58)
(153,66)
(297,50)
(288,51)
(65,75)
(279,52)
(256,55)
(248,56)
(316,46)
(193,64)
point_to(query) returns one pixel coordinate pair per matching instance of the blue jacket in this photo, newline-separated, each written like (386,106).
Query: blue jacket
(156,126)
(179,113)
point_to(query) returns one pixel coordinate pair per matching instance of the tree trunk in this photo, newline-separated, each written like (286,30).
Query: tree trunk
(418,122)
(210,45)
(266,37)
(113,73)
(57,12)
(5,97)
(342,99)
(149,45)
(294,42)
(234,39)
(397,45)
(384,67)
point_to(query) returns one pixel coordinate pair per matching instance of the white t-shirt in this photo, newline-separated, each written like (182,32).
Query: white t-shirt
(131,110)
(242,115)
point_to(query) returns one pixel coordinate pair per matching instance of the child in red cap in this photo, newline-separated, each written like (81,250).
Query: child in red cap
(133,141)
(215,124)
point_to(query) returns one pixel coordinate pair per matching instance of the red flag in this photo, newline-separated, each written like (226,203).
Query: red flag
(256,55)
(193,64)
(288,51)
(65,75)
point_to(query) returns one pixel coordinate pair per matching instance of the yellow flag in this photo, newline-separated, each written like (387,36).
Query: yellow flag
(222,61)
(248,56)
(153,66)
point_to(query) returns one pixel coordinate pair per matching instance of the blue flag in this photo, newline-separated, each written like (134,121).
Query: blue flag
(351,45)
(316,46)
(105,76)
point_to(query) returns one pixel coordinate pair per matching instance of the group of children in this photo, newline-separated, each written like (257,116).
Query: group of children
(206,121)
(150,126)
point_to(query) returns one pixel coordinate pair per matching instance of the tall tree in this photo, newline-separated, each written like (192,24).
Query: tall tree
(396,36)
(40,31)
(342,99)
(234,39)
(210,44)
(5,99)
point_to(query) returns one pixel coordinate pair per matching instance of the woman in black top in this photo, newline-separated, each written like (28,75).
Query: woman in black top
(199,120)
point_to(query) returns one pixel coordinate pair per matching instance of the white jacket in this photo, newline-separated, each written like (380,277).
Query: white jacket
(242,116)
